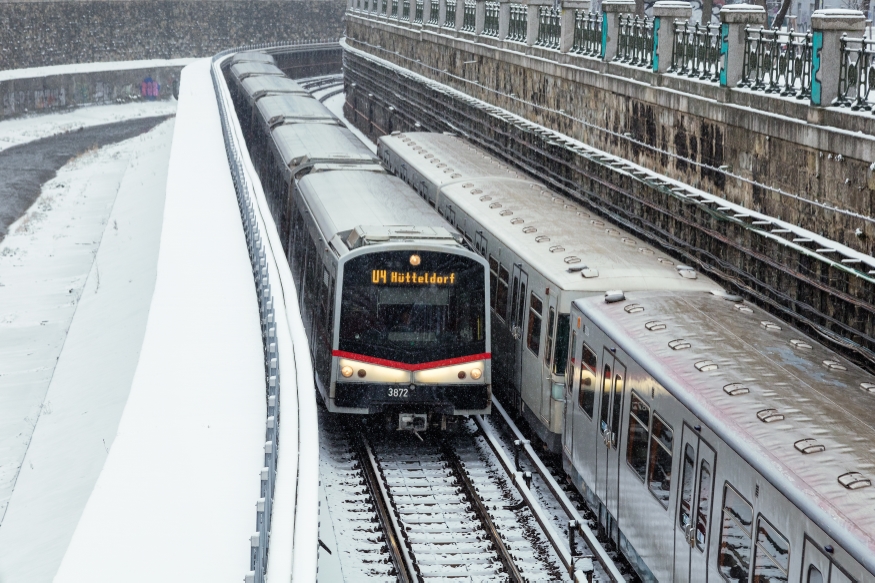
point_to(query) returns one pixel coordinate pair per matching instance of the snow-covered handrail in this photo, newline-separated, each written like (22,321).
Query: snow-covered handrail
(287,511)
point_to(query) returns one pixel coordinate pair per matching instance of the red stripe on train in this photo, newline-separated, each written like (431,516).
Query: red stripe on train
(411,367)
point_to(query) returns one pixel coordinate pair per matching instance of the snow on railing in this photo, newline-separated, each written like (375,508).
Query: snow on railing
(287,508)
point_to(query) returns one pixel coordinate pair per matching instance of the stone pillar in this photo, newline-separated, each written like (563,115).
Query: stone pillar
(611,11)
(665,12)
(442,12)
(426,11)
(460,15)
(479,17)
(733,20)
(827,28)
(503,19)
(533,16)
(569,8)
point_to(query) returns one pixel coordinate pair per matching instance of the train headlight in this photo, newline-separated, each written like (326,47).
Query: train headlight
(476,373)
(346,371)
(415,260)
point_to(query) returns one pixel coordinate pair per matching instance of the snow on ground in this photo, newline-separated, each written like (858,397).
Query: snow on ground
(77,273)
(25,129)
(91,68)
(176,498)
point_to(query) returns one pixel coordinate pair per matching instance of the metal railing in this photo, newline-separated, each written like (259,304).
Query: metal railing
(469,18)
(587,33)
(777,61)
(696,50)
(635,41)
(394,9)
(549,27)
(435,12)
(857,73)
(417,15)
(450,18)
(301,436)
(405,9)
(384,4)
(516,29)
(491,22)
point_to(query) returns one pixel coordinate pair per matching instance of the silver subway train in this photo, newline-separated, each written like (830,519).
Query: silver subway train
(394,304)
(716,444)
(543,251)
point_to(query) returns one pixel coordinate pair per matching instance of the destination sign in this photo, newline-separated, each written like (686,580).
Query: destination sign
(385,277)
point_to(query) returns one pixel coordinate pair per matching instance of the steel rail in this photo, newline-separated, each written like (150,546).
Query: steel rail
(588,535)
(483,514)
(394,534)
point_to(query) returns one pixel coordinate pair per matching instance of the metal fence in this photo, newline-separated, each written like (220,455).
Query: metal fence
(587,33)
(435,12)
(696,50)
(516,29)
(857,73)
(549,27)
(635,41)
(469,18)
(394,8)
(490,23)
(777,61)
(417,15)
(450,18)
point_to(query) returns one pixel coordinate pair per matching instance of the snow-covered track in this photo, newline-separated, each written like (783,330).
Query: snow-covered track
(449,508)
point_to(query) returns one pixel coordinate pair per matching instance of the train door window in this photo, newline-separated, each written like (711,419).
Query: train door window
(480,243)
(563,328)
(493,280)
(569,379)
(703,511)
(606,394)
(617,401)
(533,335)
(551,321)
(638,437)
(521,306)
(735,537)
(814,575)
(772,556)
(586,394)
(686,514)
(659,460)
(501,293)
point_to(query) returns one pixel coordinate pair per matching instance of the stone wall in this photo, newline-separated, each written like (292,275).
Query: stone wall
(35,34)
(805,165)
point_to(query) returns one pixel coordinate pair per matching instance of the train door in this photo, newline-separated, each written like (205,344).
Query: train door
(546,369)
(520,282)
(608,455)
(571,388)
(693,523)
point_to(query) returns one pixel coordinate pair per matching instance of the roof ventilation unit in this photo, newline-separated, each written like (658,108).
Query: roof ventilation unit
(634,308)
(808,446)
(770,416)
(770,326)
(679,344)
(854,481)
(654,326)
(706,365)
(834,365)
(614,296)
(686,271)
(735,389)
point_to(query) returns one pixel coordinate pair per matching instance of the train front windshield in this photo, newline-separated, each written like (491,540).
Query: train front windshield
(413,306)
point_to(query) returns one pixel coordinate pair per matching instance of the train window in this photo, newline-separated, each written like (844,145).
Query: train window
(493,280)
(569,379)
(814,575)
(735,538)
(704,510)
(606,394)
(533,338)
(639,433)
(659,462)
(619,385)
(586,393)
(563,327)
(549,348)
(686,514)
(521,306)
(772,559)
(501,293)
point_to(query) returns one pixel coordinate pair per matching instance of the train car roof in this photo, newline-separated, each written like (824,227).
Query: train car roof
(571,247)
(252,57)
(444,158)
(263,85)
(343,200)
(308,143)
(820,400)
(242,71)
(279,109)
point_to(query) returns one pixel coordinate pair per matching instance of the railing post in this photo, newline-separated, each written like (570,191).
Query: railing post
(665,12)
(611,11)
(533,17)
(460,15)
(734,18)
(479,17)
(442,13)
(567,22)
(426,12)
(827,27)
(503,19)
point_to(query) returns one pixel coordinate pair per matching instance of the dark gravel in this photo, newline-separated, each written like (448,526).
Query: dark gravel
(25,168)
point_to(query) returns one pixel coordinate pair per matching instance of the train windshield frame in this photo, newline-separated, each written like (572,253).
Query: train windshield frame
(413,306)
